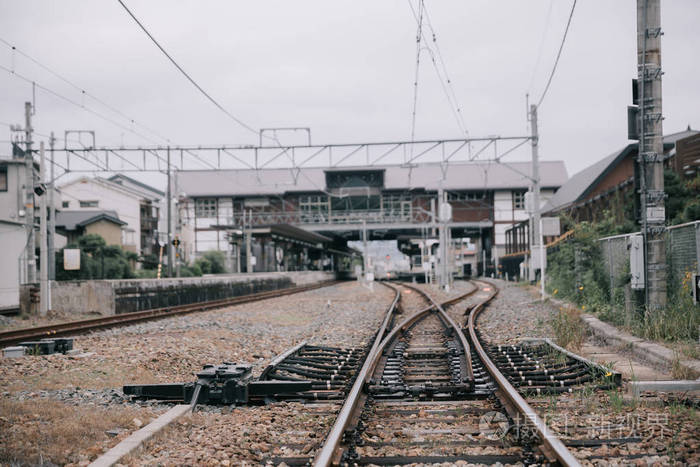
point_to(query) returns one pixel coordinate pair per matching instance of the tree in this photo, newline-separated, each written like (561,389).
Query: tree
(677,195)
(690,211)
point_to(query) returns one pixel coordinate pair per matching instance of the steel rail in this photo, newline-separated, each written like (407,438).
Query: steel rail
(330,446)
(80,326)
(551,442)
(458,330)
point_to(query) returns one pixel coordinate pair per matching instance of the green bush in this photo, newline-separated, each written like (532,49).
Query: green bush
(97,260)
(211,262)
(575,270)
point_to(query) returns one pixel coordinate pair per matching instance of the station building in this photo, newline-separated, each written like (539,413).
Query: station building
(217,207)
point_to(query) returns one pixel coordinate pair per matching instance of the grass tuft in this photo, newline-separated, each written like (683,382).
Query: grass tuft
(569,328)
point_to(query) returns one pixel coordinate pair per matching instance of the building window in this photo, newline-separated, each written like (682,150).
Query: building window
(396,206)
(465,195)
(519,199)
(89,204)
(65,204)
(3,178)
(314,208)
(356,203)
(205,207)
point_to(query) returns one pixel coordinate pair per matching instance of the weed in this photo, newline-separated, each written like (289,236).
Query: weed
(678,370)
(36,431)
(569,328)
(617,403)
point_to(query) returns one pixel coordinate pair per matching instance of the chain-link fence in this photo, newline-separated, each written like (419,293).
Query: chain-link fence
(682,254)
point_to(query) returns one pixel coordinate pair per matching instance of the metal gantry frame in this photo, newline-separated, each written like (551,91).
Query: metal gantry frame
(81,159)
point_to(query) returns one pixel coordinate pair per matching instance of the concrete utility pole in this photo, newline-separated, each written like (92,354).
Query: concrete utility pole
(43,258)
(52,214)
(170,225)
(29,195)
(248,230)
(650,159)
(442,227)
(365,254)
(535,223)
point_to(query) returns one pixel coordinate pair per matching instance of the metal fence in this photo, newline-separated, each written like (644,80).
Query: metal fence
(682,253)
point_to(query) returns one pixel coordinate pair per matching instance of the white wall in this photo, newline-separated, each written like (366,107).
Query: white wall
(503,211)
(127,206)
(211,239)
(12,238)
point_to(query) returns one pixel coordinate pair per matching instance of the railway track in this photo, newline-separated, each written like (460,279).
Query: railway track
(81,326)
(427,394)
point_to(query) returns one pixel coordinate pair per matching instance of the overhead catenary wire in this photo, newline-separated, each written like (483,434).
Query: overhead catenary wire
(541,46)
(90,110)
(419,37)
(443,76)
(76,104)
(556,61)
(82,90)
(185,74)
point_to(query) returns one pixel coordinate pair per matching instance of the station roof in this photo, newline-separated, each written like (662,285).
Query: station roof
(284,231)
(290,232)
(70,220)
(457,176)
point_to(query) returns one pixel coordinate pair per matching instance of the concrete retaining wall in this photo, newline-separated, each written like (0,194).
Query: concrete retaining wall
(122,296)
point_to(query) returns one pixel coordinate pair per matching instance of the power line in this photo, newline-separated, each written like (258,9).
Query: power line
(457,107)
(419,37)
(211,99)
(77,104)
(541,47)
(94,112)
(83,91)
(556,62)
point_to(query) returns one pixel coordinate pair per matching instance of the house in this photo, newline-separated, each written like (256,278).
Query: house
(154,222)
(13,236)
(136,206)
(74,224)
(605,185)
(14,203)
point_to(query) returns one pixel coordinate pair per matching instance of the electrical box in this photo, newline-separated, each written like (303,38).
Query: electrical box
(656,214)
(636,247)
(535,259)
(633,122)
(445,214)
(529,205)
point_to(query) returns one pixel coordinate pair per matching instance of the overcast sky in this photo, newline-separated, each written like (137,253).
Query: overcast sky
(345,69)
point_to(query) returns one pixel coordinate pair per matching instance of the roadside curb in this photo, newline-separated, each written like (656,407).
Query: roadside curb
(641,348)
(136,439)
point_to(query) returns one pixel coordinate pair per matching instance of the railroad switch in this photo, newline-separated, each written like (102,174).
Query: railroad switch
(227,384)
(48,346)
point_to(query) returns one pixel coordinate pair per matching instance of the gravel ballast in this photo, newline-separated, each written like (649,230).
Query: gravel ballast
(173,349)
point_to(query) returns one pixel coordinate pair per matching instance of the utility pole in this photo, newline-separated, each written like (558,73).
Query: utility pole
(365,255)
(248,242)
(29,195)
(442,214)
(170,225)
(43,258)
(535,223)
(650,158)
(52,214)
